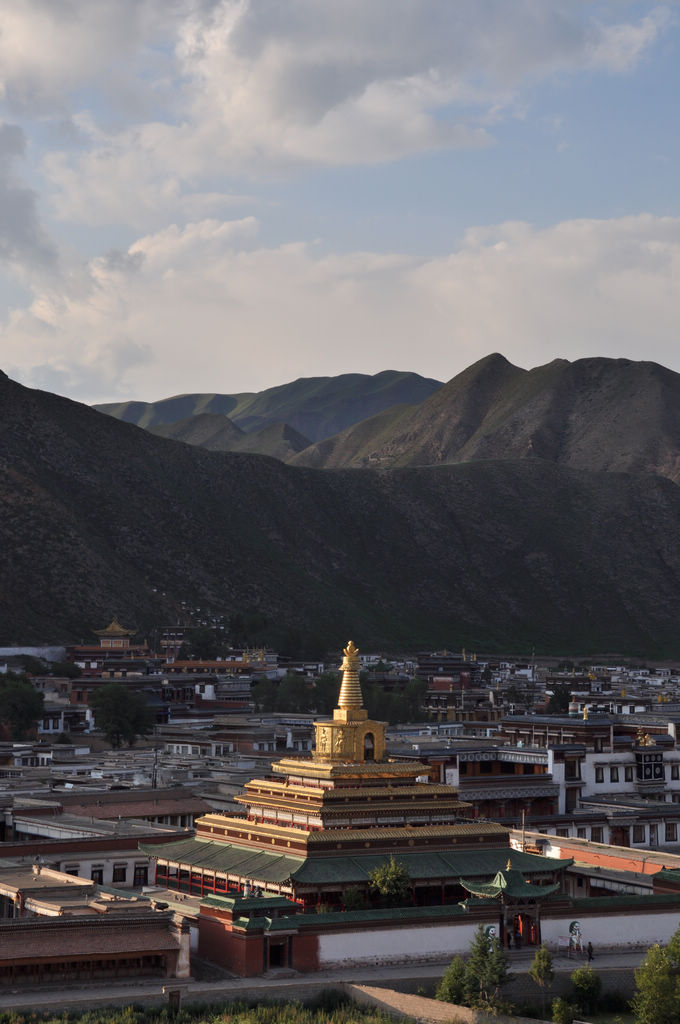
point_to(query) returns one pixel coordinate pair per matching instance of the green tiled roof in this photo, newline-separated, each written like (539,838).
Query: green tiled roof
(350,917)
(226,858)
(619,900)
(262,866)
(422,866)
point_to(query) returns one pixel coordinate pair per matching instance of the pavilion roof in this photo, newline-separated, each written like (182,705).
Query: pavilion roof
(510,883)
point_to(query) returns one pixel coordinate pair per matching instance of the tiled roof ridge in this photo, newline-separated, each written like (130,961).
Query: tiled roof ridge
(157,918)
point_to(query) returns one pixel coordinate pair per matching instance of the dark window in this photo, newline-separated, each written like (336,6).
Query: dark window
(671,832)
(638,833)
(628,772)
(675,771)
(119,872)
(614,774)
(485,767)
(599,775)
(97,875)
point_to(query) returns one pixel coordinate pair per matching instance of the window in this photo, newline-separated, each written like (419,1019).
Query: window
(613,774)
(638,833)
(599,775)
(580,833)
(628,773)
(72,869)
(675,771)
(596,834)
(671,832)
(97,874)
(119,873)
(485,767)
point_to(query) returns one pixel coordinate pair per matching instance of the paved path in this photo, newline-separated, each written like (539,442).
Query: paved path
(278,986)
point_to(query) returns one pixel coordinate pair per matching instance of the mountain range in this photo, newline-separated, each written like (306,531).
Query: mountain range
(612,415)
(505,510)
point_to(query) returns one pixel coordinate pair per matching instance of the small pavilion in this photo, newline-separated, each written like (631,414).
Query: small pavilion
(519,919)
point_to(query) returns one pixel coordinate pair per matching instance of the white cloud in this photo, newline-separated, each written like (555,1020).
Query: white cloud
(207,308)
(23,241)
(252,88)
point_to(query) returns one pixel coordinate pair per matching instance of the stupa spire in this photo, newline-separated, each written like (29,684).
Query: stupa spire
(350,690)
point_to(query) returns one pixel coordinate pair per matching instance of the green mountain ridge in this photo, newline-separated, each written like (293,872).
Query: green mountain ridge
(99,517)
(316,407)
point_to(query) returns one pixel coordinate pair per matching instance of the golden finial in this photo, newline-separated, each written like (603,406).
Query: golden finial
(508,866)
(585,713)
(350,691)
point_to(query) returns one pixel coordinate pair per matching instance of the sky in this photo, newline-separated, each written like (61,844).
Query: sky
(226,195)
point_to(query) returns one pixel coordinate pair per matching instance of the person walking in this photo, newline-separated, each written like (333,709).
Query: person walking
(589,950)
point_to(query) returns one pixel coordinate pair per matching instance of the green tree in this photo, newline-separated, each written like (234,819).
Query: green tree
(390,881)
(265,695)
(486,970)
(559,699)
(21,706)
(541,971)
(201,644)
(563,1012)
(325,693)
(294,694)
(354,898)
(121,714)
(657,999)
(587,986)
(453,986)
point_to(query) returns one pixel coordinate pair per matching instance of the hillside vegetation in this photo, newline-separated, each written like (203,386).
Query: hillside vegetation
(100,517)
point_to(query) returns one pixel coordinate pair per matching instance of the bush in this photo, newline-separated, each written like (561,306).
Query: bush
(563,1011)
(452,988)
(587,986)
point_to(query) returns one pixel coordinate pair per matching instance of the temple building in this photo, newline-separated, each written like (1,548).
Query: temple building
(321,825)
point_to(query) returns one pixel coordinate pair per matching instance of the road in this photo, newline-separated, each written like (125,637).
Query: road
(279,985)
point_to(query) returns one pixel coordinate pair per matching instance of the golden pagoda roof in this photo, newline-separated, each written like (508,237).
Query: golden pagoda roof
(114,628)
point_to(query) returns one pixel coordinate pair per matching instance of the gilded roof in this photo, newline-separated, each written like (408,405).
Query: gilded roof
(114,628)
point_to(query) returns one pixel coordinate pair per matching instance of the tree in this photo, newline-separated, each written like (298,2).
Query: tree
(563,1012)
(541,971)
(657,999)
(486,969)
(21,706)
(559,699)
(587,986)
(390,881)
(453,986)
(121,714)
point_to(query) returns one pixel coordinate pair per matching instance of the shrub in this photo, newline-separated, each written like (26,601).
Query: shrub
(587,986)
(563,1011)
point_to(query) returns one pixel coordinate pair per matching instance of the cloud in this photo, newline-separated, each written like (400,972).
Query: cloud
(255,88)
(23,241)
(208,308)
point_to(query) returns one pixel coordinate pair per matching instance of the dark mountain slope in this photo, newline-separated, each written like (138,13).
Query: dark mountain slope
(208,430)
(95,514)
(219,434)
(597,414)
(316,407)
